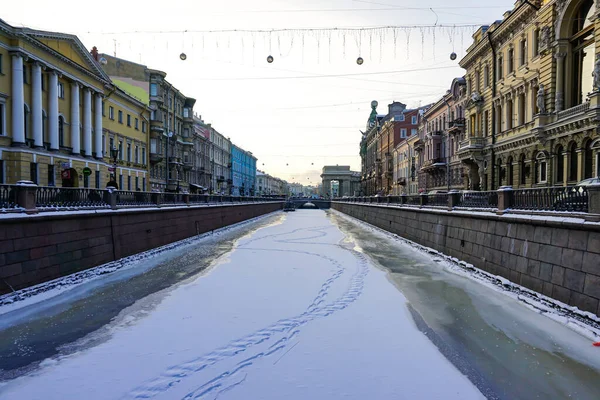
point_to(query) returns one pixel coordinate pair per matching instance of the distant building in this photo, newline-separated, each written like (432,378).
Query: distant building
(200,180)
(243,172)
(221,163)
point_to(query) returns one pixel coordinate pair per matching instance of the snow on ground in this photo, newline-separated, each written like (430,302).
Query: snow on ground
(137,263)
(293,312)
(583,322)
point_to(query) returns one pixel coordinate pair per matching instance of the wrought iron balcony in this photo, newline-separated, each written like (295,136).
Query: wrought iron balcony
(457,125)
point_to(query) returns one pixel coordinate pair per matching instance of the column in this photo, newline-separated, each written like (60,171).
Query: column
(75,142)
(87,122)
(565,156)
(18,100)
(53,109)
(98,125)
(36,105)
(560,81)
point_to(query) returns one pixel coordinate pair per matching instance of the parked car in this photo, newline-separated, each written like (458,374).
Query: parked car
(589,181)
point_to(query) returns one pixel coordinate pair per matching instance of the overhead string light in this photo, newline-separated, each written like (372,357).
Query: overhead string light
(335,39)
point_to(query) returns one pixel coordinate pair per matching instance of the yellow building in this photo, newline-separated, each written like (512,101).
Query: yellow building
(532,115)
(53,131)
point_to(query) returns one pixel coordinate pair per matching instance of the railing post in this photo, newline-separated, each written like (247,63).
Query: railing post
(403,199)
(453,199)
(505,197)
(26,196)
(111,197)
(423,199)
(156,198)
(593,203)
(186,198)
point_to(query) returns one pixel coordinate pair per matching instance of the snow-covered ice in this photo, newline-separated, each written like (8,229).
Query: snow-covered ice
(295,311)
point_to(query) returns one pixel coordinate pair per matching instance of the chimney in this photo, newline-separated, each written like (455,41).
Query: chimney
(94,53)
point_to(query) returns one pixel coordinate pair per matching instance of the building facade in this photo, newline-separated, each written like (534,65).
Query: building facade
(221,163)
(200,180)
(171,136)
(243,172)
(54,124)
(268,185)
(533,105)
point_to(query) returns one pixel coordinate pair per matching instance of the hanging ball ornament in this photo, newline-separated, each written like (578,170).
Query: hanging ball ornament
(270,59)
(453,56)
(360,61)
(183,56)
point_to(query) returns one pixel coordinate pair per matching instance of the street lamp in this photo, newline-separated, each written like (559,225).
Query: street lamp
(114,153)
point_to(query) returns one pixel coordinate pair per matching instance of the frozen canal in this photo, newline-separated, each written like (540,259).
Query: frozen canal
(307,305)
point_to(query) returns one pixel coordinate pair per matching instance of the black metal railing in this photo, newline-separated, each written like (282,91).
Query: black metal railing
(68,198)
(478,200)
(135,199)
(574,199)
(414,200)
(8,197)
(438,200)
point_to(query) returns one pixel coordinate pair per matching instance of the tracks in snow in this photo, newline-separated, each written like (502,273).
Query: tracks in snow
(276,339)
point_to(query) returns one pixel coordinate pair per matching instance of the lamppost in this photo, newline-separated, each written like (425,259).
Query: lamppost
(114,153)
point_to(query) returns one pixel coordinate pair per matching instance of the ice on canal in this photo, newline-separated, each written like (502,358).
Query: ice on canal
(294,311)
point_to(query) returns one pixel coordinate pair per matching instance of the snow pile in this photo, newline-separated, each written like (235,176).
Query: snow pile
(31,295)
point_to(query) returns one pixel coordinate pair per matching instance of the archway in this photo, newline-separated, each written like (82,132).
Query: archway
(70,178)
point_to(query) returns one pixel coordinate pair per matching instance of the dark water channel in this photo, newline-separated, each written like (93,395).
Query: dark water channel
(507,349)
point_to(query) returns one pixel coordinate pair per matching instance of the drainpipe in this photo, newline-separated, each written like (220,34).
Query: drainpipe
(494,66)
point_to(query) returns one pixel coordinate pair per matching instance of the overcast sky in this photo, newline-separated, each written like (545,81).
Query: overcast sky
(290,116)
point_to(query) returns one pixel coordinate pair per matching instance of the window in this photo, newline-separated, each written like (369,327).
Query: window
(399,117)
(477,80)
(103,113)
(522,171)
(137,183)
(143,155)
(186,112)
(403,132)
(486,116)
(2,120)
(61,90)
(86,181)
(535,48)
(25,74)
(560,165)
(542,167)
(500,70)
(153,89)
(143,127)
(414,120)
(511,60)
(121,155)
(521,116)
(510,172)
(128,119)
(413,131)
(136,154)
(583,52)
(1,64)
(143,184)
(33,172)
(51,181)
(588,157)
(522,52)
(61,131)
(97,179)
(128,152)
(111,144)
(137,124)
(111,112)
(128,182)
(120,116)
(573,162)
(121,181)
(486,76)
(509,114)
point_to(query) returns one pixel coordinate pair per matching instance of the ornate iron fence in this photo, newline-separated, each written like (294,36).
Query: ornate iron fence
(8,197)
(134,199)
(478,200)
(65,198)
(439,199)
(172,198)
(574,199)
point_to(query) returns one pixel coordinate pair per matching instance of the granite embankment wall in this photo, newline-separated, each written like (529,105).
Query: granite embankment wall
(38,248)
(559,258)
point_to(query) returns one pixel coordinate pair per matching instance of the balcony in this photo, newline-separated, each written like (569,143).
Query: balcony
(220,178)
(155,158)
(419,145)
(175,161)
(435,134)
(433,164)
(187,165)
(472,143)
(456,126)
(401,181)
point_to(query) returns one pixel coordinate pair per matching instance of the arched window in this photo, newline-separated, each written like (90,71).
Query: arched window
(560,165)
(582,51)
(510,172)
(61,131)
(588,161)
(573,162)
(541,165)
(522,170)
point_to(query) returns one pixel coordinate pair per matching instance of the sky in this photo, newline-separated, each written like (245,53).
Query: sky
(297,113)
